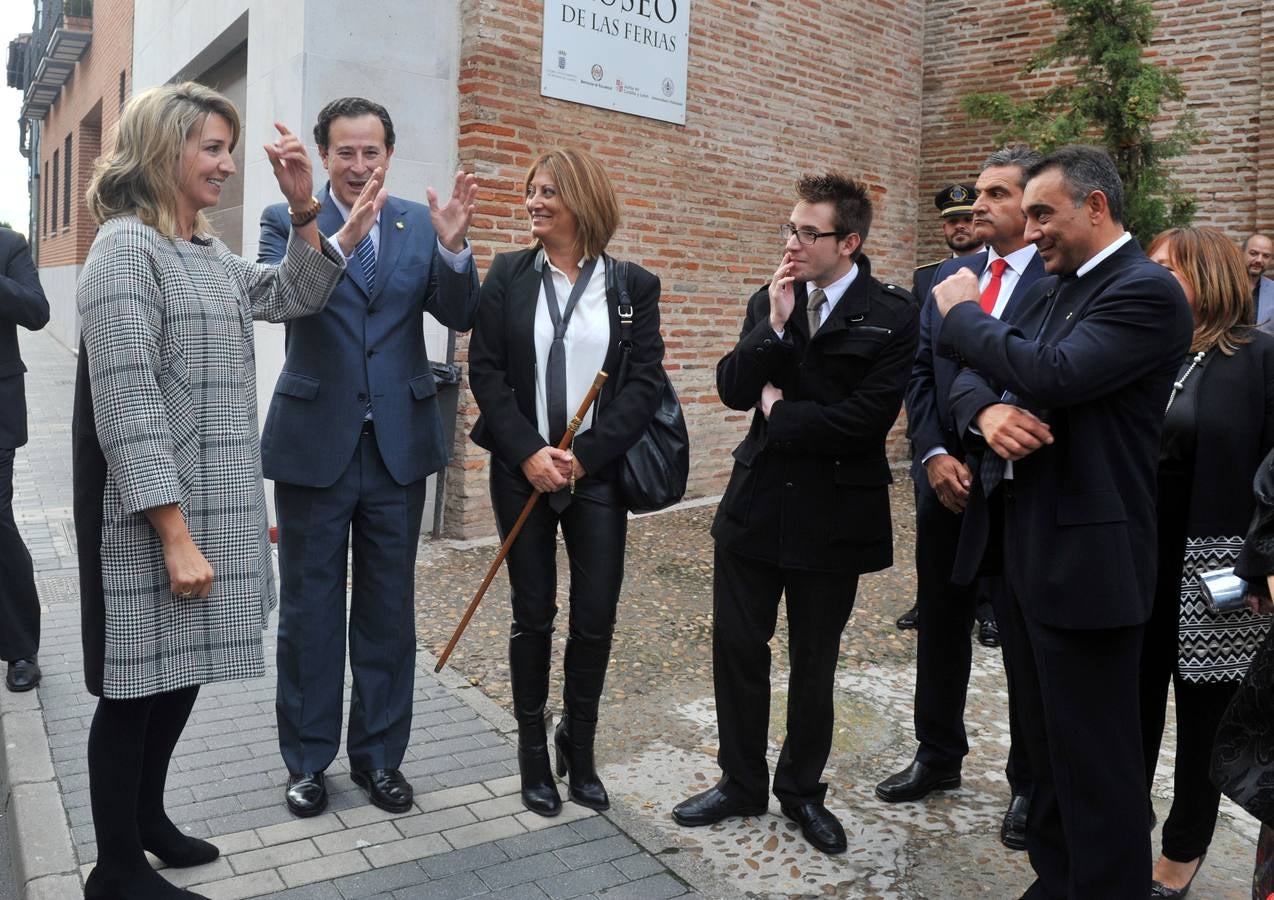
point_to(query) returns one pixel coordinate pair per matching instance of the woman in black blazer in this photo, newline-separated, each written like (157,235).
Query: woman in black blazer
(1218,426)
(525,391)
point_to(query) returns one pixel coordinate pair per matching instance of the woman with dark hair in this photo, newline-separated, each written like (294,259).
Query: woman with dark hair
(546,324)
(1218,426)
(170,507)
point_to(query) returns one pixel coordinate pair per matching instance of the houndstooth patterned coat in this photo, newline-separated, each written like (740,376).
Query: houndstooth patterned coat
(168,330)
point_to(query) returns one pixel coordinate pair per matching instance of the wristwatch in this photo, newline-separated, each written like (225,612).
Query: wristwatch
(306,214)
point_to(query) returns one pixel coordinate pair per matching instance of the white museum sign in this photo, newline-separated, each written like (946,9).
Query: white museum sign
(628,55)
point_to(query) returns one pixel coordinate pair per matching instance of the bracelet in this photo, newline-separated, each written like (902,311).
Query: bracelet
(306,214)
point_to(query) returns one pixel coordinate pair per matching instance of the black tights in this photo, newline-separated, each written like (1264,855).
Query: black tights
(129,747)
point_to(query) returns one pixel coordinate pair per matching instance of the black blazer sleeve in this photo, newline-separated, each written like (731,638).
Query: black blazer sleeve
(758,357)
(22,300)
(505,430)
(923,421)
(626,413)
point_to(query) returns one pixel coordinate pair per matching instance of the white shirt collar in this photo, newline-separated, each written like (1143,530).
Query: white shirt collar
(1100,257)
(1018,260)
(836,289)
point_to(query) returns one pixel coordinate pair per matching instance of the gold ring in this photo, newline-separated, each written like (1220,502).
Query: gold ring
(185,595)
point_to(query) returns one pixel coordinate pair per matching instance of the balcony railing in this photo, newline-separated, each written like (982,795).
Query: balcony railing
(57,42)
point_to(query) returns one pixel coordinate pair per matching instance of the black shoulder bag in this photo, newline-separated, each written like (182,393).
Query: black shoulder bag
(653,471)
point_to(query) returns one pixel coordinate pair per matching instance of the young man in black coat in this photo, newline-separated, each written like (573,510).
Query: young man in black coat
(1070,399)
(823,359)
(22,302)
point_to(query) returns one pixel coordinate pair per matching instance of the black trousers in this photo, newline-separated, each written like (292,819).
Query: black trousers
(944,652)
(745,601)
(1191,822)
(1088,831)
(19,604)
(594,527)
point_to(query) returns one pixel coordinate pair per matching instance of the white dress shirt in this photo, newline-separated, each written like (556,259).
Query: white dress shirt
(586,341)
(1105,252)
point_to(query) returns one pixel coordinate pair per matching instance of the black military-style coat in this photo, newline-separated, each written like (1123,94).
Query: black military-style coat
(809,488)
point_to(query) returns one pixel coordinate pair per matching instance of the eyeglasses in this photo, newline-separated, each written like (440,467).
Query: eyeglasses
(806,235)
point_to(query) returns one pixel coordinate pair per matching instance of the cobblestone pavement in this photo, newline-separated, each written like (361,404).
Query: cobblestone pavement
(466,835)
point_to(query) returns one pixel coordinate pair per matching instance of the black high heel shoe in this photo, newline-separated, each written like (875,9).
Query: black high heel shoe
(1158,890)
(574,746)
(528,668)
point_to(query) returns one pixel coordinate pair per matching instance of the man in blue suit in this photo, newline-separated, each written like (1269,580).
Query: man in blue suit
(352,433)
(943,479)
(1069,399)
(22,302)
(1258,252)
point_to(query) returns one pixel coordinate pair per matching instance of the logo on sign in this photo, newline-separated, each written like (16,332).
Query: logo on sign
(666,87)
(561,59)
(597,72)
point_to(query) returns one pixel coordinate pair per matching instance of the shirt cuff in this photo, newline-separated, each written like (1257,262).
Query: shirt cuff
(936,451)
(778,333)
(336,248)
(458,262)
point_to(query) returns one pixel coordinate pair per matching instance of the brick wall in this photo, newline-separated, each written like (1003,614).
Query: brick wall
(1224,48)
(703,202)
(88,110)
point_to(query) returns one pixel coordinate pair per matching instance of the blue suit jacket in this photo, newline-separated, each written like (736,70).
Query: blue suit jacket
(22,303)
(929,418)
(368,341)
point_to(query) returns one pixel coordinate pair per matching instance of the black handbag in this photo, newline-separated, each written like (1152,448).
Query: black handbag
(654,470)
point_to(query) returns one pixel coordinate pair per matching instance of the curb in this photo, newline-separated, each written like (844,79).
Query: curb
(40,835)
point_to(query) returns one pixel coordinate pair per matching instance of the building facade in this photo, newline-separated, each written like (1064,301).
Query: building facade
(773,91)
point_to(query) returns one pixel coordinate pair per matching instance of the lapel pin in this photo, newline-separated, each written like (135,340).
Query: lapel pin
(1069,314)
(398,225)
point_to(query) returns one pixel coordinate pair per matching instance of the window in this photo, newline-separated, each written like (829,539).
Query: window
(122,75)
(44,211)
(54,206)
(66,183)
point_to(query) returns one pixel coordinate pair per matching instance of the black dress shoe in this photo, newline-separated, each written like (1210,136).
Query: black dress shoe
(989,634)
(23,674)
(716,804)
(916,782)
(1013,828)
(306,794)
(908,619)
(386,788)
(819,826)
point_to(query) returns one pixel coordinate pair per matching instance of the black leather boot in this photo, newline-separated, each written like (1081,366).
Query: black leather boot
(586,662)
(529,656)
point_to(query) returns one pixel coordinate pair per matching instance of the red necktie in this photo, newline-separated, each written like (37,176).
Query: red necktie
(992,291)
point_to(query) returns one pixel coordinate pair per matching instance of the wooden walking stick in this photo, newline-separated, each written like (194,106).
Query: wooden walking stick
(563,444)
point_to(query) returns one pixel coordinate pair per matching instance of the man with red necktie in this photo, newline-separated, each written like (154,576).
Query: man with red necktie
(944,485)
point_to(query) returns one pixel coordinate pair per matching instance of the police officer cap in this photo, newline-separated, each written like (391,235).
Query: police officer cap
(955,200)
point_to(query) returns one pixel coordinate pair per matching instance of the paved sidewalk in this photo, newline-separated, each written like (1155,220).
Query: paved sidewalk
(467,835)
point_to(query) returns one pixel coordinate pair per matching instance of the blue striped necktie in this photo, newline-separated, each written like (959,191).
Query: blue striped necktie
(366,254)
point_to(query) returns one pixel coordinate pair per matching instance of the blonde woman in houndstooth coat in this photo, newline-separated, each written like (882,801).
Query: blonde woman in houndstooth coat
(185,576)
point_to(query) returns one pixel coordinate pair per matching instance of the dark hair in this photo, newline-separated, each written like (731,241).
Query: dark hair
(848,197)
(1018,155)
(352,108)
(1086,169)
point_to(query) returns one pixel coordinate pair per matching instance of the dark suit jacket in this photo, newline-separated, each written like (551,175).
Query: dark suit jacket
(809,489)
(22,303)
(929,417)
(502,368)
(368,340)
(1094,357)
(922,280)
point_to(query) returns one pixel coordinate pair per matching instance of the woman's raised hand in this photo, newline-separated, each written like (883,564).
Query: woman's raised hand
(363,213)
(291,164)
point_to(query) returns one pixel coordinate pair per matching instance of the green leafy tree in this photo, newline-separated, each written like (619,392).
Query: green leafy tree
(1111,96)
